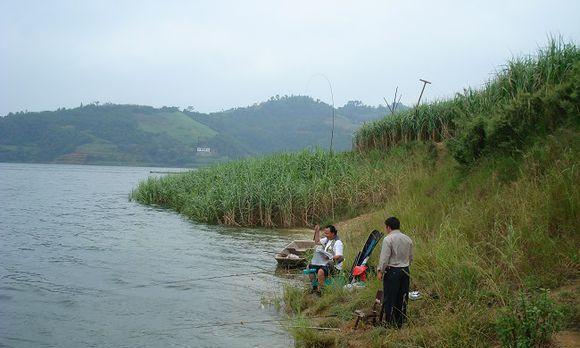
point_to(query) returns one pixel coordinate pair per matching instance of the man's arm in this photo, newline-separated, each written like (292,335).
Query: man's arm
(338,252)
(384,258)
(316,234)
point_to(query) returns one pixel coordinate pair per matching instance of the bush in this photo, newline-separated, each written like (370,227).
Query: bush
(529,322)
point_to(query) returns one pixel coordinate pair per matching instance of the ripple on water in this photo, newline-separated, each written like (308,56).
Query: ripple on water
(90,268)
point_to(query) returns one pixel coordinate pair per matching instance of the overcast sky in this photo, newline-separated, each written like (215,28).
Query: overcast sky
(215,55)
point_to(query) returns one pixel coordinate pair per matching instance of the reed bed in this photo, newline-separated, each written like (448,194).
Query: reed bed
(282,190)
(441,120)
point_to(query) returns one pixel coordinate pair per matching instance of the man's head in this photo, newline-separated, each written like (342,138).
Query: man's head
(392,223)
(330,231)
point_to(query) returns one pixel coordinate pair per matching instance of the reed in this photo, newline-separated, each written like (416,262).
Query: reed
(528,96)
(286,189)
(441,120)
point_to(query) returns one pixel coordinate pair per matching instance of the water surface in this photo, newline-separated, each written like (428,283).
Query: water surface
(81,266)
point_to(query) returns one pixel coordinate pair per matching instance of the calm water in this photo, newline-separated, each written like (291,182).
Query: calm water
(82,266)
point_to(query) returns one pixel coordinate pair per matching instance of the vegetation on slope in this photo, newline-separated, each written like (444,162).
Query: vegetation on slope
(103,134)
(494,216)
(289,189)
(482,236)
(531,96)
(133,134)
(290,123)
(493,210)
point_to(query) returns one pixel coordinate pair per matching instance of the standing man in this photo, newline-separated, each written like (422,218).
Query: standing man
(396,256)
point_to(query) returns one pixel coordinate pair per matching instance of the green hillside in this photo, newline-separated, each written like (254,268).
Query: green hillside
(103,134)
(143,135)
(287,123)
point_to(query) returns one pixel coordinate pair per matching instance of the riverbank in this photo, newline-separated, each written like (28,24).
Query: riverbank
(483,238)
(485,183)
(490,197)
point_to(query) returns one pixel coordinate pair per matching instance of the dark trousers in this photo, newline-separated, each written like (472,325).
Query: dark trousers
(395,295)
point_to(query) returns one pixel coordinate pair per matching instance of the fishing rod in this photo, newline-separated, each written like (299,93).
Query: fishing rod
(244,324)
(332,98)
(190,280)
(264,321)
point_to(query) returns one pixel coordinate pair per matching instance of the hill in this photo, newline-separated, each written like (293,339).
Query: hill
(290,123)
(167,136)
(102,134)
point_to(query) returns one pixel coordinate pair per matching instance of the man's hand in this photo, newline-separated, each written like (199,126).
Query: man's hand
(380,275)
(316,234)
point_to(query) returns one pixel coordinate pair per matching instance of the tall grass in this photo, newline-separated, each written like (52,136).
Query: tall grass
(493,211)
(529,96)
(483,235)
(443,120)
(287,189)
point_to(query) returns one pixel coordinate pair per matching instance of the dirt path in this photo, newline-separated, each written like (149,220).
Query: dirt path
(567,339)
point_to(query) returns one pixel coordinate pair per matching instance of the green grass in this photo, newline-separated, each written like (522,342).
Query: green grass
(288,189)
(529,95)
(176,125)
(482,236)
(486,184)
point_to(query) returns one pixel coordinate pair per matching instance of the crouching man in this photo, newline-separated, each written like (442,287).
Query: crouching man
(328,256)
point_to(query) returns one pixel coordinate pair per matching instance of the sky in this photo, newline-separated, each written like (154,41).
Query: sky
(215,55)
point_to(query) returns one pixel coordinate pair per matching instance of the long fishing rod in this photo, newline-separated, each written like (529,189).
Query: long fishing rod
(249,323)
(190,280)
(264,321)
(332,98)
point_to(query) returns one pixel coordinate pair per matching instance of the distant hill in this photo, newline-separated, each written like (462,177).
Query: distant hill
(168,136)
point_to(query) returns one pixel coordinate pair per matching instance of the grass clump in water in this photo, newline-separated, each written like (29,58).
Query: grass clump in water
(288,189)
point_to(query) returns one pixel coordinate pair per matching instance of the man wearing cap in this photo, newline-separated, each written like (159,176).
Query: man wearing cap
(393,270)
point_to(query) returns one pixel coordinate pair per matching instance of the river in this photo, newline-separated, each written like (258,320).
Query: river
(82,266)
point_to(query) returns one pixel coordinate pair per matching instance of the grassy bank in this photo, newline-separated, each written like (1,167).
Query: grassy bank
(485,183)
(491,199)
(482,235)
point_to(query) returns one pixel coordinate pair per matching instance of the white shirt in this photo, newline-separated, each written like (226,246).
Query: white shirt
(338,249)
(397,251)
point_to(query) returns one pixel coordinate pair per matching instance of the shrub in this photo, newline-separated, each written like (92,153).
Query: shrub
(529,321)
